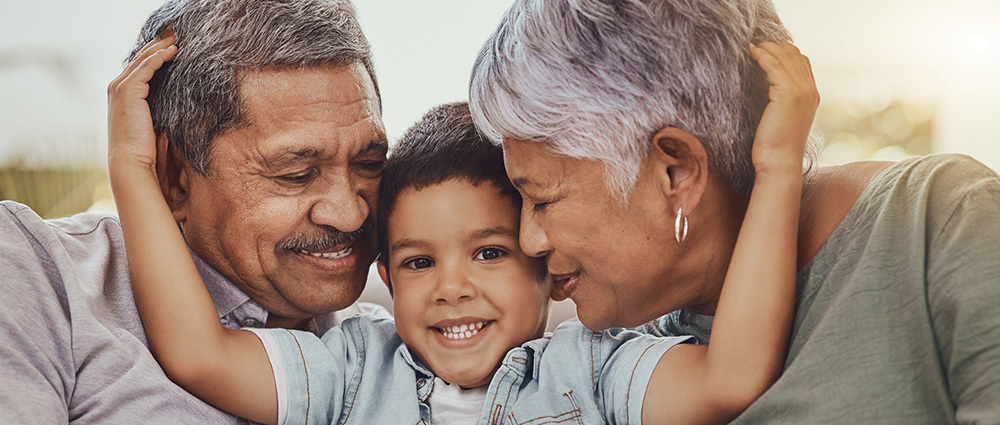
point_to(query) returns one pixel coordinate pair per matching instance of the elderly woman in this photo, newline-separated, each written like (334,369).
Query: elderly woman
(627,128)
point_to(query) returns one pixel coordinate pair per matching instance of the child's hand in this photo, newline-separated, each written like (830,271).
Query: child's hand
(784,128)
(131,140)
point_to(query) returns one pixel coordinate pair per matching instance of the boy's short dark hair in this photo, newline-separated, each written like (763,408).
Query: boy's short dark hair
(443,145)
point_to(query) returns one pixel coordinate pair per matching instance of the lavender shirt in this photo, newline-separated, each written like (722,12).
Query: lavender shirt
(72,346)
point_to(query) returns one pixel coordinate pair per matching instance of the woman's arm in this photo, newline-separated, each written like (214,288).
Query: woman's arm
(714,384)
(228,369)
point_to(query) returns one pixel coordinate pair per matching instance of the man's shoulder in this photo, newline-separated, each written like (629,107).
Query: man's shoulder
(33,226)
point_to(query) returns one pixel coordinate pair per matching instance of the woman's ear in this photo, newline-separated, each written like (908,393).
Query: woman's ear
(680,166)
(173,173)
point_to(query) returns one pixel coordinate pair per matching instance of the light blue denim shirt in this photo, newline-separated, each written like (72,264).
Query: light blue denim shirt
(362,373)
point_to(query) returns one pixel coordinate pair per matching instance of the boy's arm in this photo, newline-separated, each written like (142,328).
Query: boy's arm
(714,384)
(226,368)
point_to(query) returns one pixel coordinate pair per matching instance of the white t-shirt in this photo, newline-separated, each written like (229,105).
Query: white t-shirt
(450,404)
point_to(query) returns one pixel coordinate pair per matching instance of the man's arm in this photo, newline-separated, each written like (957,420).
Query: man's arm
(221,366)
(714,384)
(36,357)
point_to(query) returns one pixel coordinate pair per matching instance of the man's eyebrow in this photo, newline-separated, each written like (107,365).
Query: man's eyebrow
(409,243)
(493,231)
(289,157)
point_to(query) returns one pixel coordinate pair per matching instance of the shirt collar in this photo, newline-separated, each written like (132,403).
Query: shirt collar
(232,304)
(237,310)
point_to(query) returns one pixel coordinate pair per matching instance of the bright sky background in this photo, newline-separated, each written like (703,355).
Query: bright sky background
(57,57)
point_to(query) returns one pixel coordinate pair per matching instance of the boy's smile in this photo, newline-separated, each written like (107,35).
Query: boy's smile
(464,293)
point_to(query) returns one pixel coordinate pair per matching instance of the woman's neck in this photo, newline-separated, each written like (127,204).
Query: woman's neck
(828,196)
(710,260)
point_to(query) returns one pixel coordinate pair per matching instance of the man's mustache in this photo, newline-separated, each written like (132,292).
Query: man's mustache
(327,239)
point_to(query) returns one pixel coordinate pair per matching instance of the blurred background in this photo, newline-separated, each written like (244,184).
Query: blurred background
(897,78)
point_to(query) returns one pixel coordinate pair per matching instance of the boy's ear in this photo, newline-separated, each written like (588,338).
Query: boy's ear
(680,166)
(382,272)
(173,173)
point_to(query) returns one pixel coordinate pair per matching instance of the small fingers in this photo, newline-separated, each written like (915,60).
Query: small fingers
(789,57)
(788,70)
(143,72)
(149,49)
(168,38)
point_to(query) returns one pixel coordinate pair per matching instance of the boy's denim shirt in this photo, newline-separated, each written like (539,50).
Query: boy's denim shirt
(361,373)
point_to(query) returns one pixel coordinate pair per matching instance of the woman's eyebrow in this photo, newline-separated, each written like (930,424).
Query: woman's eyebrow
(378,147)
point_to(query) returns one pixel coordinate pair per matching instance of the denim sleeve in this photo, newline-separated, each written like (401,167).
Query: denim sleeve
(627,360)
(310,373)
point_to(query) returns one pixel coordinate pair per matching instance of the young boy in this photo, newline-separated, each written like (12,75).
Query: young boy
(467,343)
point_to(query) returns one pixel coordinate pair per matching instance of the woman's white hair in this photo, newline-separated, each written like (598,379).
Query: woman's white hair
(596,79)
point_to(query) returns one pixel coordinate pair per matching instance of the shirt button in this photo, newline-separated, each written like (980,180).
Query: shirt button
(250,323)
(421,382)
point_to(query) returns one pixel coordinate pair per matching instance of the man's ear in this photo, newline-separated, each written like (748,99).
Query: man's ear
(173,173)
(680,166)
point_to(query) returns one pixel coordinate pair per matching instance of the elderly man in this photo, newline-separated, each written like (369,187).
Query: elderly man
(271,148)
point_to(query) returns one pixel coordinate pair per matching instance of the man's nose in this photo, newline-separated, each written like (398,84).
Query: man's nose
(340,205)
(534,241)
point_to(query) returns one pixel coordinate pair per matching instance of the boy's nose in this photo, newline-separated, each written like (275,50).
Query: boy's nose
(454,286)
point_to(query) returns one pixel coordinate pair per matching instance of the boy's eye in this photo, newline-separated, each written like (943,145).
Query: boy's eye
(488,254)
(419,263)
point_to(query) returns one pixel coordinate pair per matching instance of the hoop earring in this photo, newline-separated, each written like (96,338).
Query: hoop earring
(678,233)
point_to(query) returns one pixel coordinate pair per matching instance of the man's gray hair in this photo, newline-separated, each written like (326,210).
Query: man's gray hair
(195,97)
(596,79)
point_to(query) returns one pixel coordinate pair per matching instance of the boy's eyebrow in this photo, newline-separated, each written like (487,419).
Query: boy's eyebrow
(493,231)
(409,243)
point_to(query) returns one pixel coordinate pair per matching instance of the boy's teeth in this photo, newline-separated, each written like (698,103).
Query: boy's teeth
(463,331)
(330,255)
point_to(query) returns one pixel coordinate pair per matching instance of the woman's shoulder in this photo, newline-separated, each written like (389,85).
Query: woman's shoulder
(829,194)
